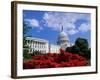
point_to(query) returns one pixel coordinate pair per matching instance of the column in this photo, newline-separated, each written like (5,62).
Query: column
(38,46)
(34,45)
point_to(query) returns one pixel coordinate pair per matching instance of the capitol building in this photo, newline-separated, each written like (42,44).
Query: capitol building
(43,46)
(63,40)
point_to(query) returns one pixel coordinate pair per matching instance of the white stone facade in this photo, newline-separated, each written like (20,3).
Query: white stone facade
(37,44)
(41,45)
(54,48)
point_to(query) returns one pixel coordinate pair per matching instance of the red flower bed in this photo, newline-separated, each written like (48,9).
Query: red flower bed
(53,60)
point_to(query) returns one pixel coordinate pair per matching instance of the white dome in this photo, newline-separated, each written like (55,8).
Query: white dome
(63,35)
(63,40)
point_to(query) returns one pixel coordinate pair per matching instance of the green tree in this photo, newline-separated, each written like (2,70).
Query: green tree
(82,44)
(26,54)
(81,47)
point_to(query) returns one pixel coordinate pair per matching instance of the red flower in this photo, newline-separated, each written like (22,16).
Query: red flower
(62,51)
(53,60)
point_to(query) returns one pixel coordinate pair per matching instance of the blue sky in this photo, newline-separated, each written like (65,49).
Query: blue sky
(47,25)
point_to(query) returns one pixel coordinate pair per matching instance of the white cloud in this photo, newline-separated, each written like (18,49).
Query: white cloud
(72,31)
(32,22)
(84,27)
(55,20)
(51,21)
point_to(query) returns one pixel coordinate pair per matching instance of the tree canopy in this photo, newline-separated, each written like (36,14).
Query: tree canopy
(81,47)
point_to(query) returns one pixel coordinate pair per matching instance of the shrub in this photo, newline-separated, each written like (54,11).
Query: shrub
(26,54)
(53,60)
(81,47)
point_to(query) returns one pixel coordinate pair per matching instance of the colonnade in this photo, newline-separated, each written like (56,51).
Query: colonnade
(36,46)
